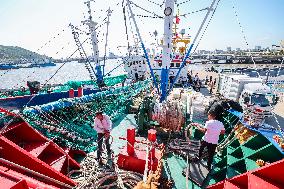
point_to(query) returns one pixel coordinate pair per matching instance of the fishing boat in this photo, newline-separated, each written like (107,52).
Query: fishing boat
(7,66)
(43,64)
(154,137)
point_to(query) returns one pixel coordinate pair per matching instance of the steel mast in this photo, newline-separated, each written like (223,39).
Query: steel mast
(92,28)
(167,47)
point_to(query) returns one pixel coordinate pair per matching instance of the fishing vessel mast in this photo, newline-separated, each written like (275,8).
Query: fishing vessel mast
(92,29)
(167,47)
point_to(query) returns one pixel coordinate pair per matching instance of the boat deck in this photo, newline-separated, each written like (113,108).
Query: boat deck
(173,165)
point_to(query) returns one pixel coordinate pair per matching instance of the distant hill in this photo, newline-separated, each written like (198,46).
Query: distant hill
(12,53)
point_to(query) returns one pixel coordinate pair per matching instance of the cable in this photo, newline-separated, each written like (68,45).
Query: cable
(206,26)
(146,16)
(154,3)
(125,25)
(184,15)
(131,2)
(246,42)
(243,35)
(186,1)
(55,73)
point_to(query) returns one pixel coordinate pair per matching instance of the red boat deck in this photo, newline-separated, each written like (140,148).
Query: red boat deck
(269,176)
(27,156)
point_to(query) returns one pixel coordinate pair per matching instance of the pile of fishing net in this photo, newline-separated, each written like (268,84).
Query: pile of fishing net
(169,114)
(69,121)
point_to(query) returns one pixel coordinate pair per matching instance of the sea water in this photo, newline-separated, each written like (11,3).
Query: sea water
(16,78)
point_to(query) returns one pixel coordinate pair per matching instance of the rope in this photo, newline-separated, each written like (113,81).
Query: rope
(187,172)
(94,176)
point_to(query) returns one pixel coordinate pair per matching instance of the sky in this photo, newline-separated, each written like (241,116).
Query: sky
(42,25)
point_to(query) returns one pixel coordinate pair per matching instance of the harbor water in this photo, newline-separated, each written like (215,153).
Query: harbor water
(16,78)
(75,71)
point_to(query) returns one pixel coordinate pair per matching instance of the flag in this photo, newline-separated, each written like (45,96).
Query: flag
(177,20)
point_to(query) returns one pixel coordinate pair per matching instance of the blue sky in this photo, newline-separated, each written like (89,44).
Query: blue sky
(32,23)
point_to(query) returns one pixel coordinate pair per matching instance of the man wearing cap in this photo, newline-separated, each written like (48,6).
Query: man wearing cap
(103,126)
(213,128)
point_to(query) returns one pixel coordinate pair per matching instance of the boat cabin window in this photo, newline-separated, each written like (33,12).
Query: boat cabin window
(172,65)
(160,64)
(178,65)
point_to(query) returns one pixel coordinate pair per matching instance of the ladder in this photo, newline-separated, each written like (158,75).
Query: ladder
(83,54)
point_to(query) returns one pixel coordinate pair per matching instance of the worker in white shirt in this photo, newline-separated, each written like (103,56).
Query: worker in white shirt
(213,128)
(103,126)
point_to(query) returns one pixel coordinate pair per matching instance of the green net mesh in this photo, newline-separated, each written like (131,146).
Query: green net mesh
(69,122)
(109,81)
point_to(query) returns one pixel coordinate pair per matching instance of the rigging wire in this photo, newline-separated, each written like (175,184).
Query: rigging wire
(243,34)
(131,2)
(204,31)
(247,44)
(147,16)
(163,3)
(186,1)
(30,75)
(131,29)
(55,73)
(126,29)
(154,3)
(47,43)
(184,15)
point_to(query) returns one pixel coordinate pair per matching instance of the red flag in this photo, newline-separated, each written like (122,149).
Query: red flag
(177,20)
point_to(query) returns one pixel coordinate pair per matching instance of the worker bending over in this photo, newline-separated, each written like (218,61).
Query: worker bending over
(103,126)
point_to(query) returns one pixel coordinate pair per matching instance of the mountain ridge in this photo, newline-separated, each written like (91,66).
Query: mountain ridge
(15,53)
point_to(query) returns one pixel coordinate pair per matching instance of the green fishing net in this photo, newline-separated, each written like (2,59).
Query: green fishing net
(69,122)
(109,81)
